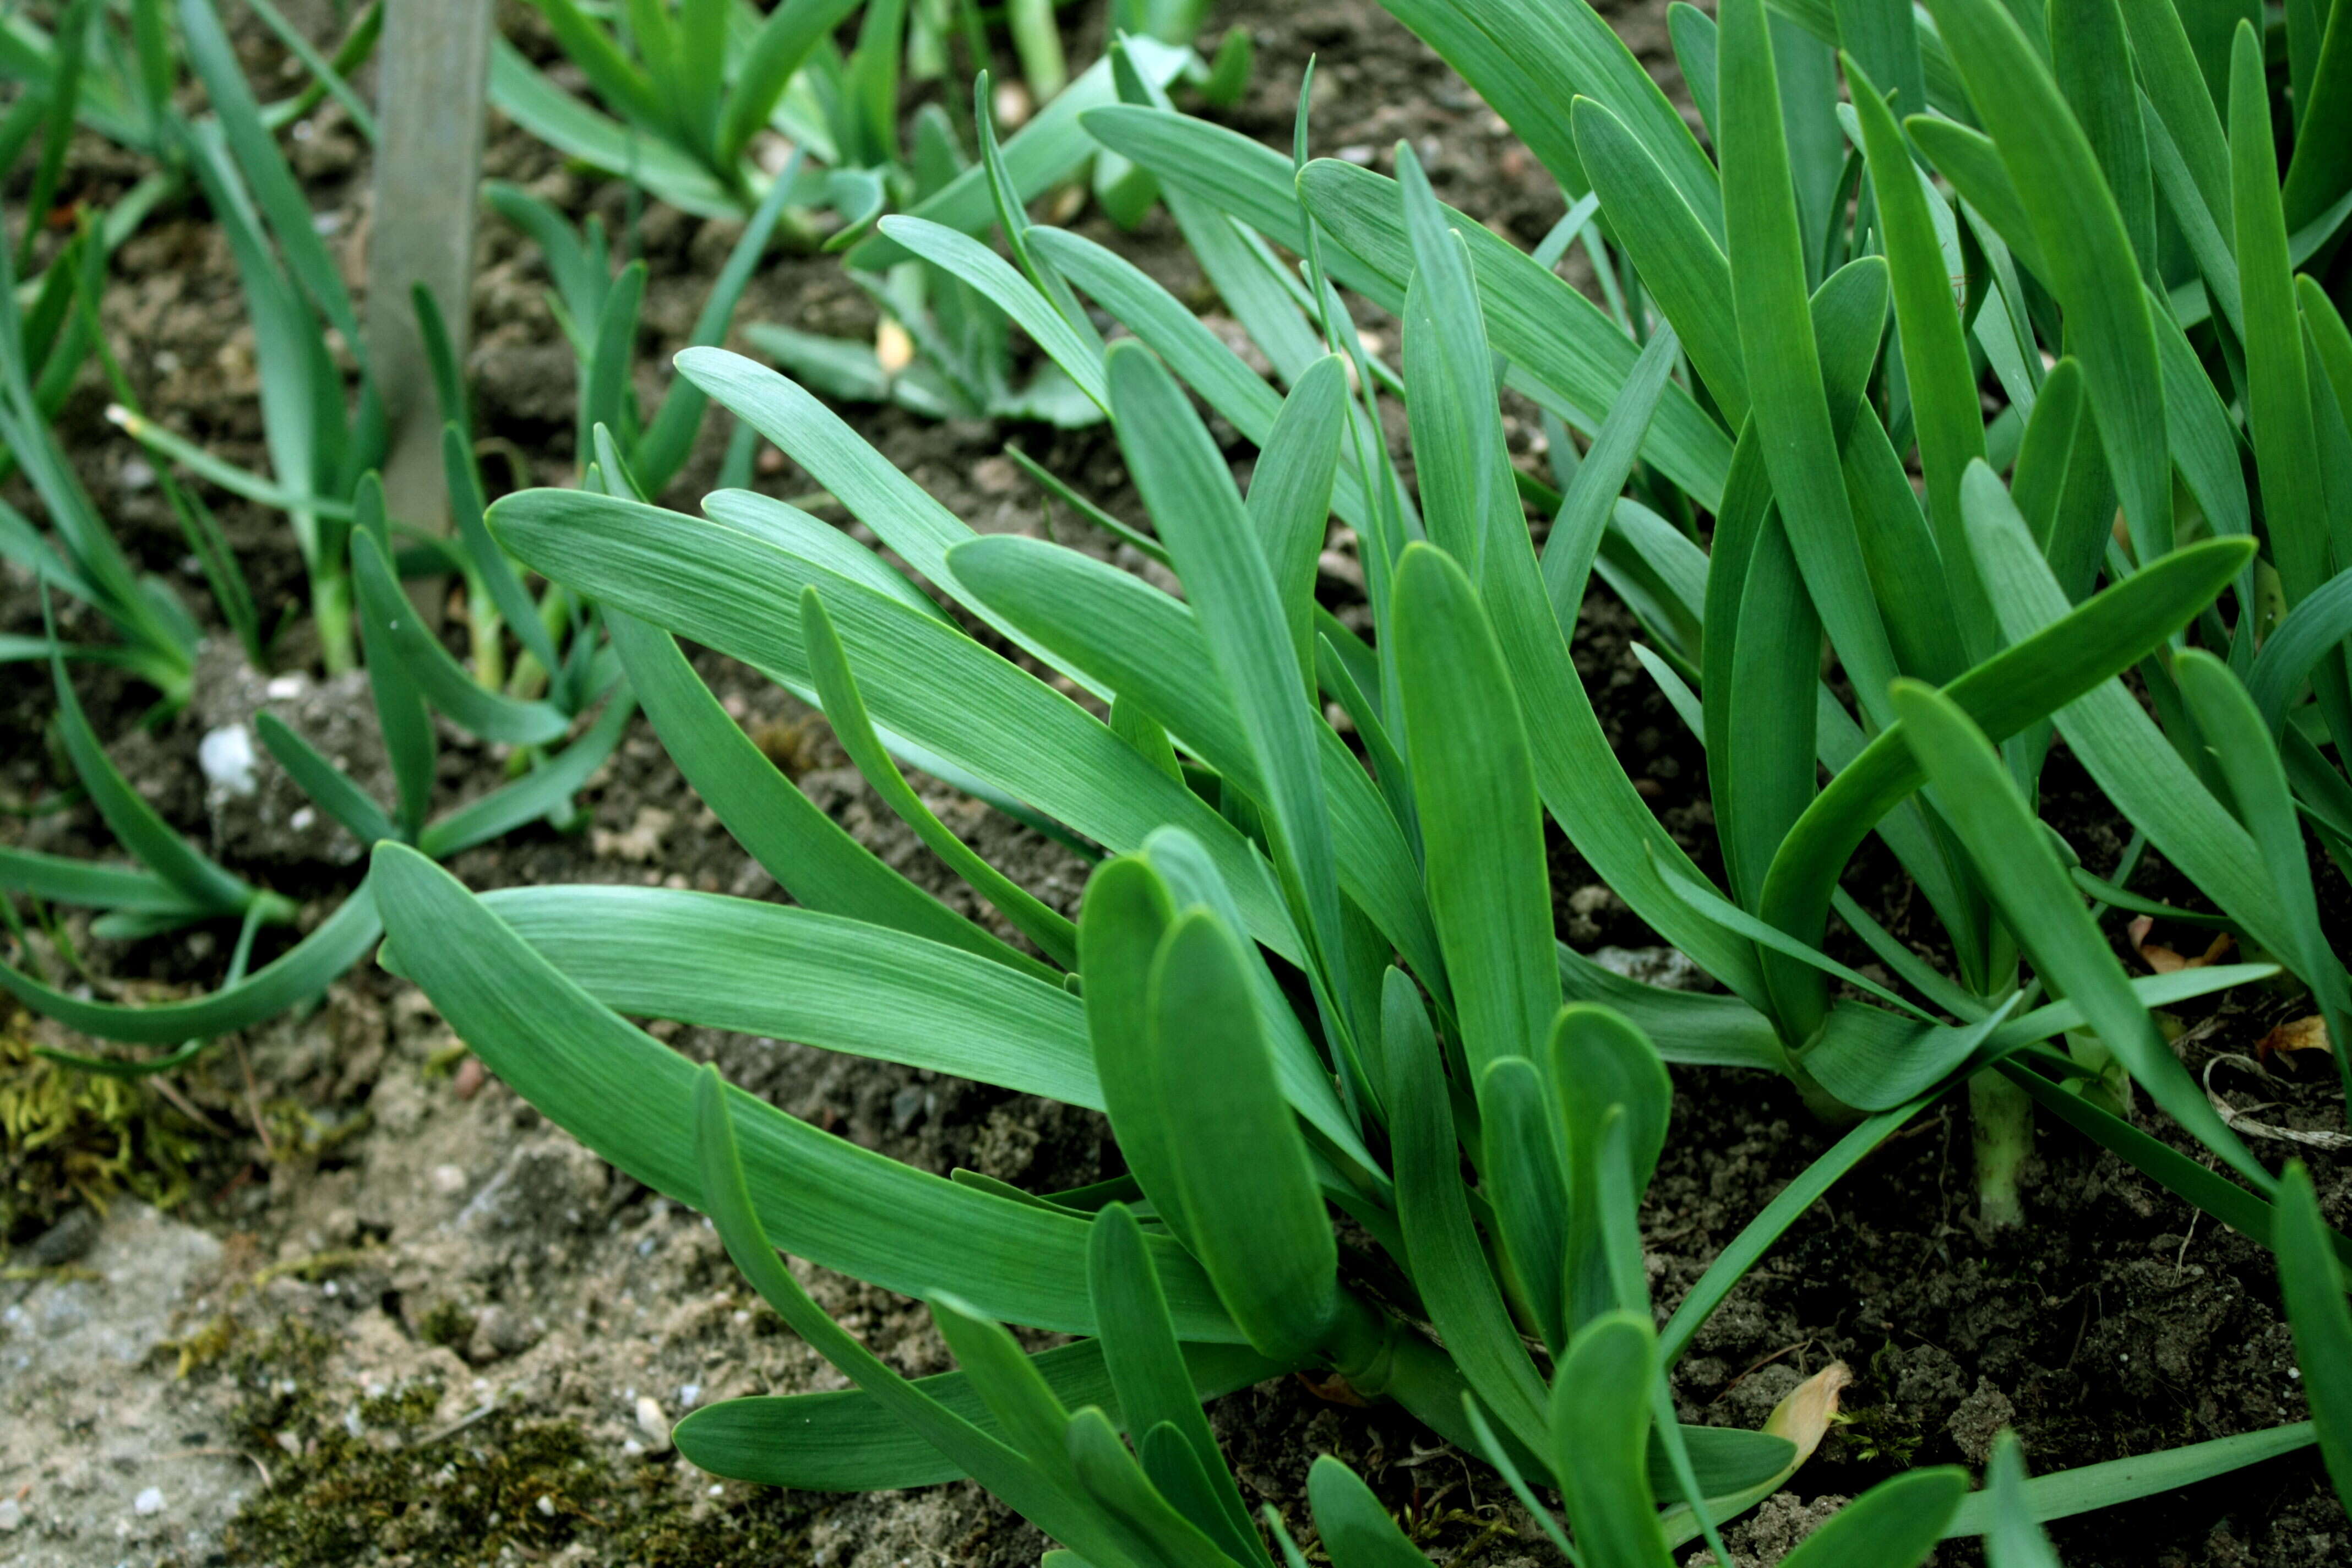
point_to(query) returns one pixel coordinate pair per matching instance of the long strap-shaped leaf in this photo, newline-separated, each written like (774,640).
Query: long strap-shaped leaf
(2120,746)
(2312,1284)
(845,709)
(141,829)
(2278,387)
(1001,1469)
(1935,364)
(1566,353)
(1155,1387)
(793,973)
(1149,648)
(1482,824)
(1895,1524)
(1189,492)
(439,676)
(809,854)
(1256,1217)
(2045,669)
(1529,61)
(1601,1423)
(1449,1266)
(296,976)
(1784,368)
(2085,251)
(1679,260)
(2063,1494)
(2240,748)
(730,590)
(2036,898)
(633,1102)
(847,1441)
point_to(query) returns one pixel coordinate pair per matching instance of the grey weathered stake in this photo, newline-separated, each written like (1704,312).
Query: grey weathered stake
(432,76)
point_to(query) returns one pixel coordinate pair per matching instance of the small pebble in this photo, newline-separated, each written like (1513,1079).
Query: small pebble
(11,1514)
(547,1507)
(283,688)
(448,1179)
(470,1077)
(228,758)
(149,1501)
(653,1423)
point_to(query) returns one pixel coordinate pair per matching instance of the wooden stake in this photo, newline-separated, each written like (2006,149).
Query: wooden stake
(432,77)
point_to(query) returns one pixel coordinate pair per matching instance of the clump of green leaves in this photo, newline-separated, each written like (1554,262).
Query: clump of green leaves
(1307,976)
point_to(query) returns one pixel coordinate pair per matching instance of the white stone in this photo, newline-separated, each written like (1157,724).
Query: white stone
(11,1514)
(653,1423)
(227,756)
(149,1501)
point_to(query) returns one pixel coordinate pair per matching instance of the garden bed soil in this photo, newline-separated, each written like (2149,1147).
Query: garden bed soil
(390,1315)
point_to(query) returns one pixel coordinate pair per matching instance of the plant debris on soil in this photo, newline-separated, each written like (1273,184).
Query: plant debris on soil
(334,1295)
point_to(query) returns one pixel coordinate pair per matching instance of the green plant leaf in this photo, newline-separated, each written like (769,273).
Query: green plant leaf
(1125,913)
(1610,1089)
(1032,1489)
(785,37)
(663,447)
(1154,1387)
(849,1441)
(1482,824)
(300,974)
(1599,1423)
(632,1100)
(2320,172)
(2312,1284)
(1250,1203)
(437,675)
(2278,387)
(2085,251)
(2120,746)
(924,682)
(1690,1026)
(2063,1494)
(809,854)
(2046,666)
(543,790)
(845,709)
(1527,1181)
(1149,648)
(1935,364)
(1290,497)
(2240,747)
(1050,148)
(137,826)
(1443,1250)
(1784,367)
(966,257)
(319,779)
(1895,1524)
(823,980)
(2024,877)
(1356,1529)
(2012,1538)
(1232,588)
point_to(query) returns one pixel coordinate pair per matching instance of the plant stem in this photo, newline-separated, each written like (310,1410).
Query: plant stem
(330,607)
(2001,1131)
